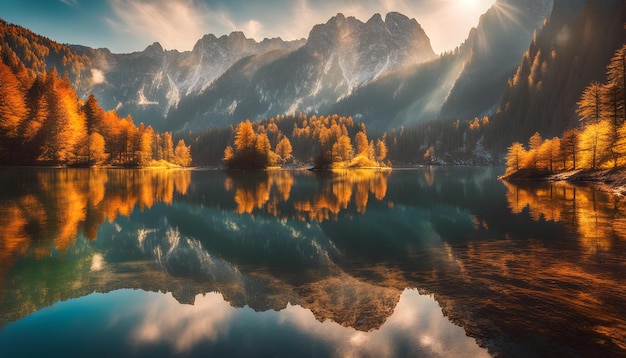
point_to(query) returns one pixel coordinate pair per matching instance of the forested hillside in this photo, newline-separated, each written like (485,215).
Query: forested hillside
(426,109)
(570,52)
(492,51)
(28,54)
(43,120)
(598,142)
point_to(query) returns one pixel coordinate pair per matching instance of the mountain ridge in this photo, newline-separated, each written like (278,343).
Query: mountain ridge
(193,90)
(382,72)
(339,56)
(146,84)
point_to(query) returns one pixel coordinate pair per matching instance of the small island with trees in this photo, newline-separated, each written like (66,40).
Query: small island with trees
(322,143)
(593,152)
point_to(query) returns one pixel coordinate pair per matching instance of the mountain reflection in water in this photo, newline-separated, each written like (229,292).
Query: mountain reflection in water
(157,325)
(295,256)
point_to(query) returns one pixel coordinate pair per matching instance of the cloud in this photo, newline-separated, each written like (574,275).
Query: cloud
(446,22)
(183,326)
(174,24)
(97,76)
(97,262)
(70,3)
(178,24)
(253,29)
(416,323)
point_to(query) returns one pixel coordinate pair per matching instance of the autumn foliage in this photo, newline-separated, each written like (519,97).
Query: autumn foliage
(600,140)
(42,121)
(269,192)
(325,141)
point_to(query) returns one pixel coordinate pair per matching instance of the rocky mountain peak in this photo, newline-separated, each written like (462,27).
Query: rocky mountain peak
(339,18)
(400,24)
(238,38)
(375,20)
(396,33)
(398,18)
(154,49)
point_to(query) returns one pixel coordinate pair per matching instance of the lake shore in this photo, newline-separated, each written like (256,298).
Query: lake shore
(612,181)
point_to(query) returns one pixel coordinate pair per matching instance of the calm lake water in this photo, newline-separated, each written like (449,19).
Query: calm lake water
(433,262)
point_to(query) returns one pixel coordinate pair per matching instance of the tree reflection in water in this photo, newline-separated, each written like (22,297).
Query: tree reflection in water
(336,192)
(598,218)
(533,269)
(49,210)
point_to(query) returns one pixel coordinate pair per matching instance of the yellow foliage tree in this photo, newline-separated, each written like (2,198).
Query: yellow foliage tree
(381,150)
(534,143)
(361,144)
(182,154)
(263,145)
(594,144)
(569,147)
(342,149)
(515,158)
(97,154)
(284,150)
(228,153)
(13,109)
(245,138)
(616,73)
(589,106)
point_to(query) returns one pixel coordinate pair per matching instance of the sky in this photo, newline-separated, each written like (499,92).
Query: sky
(125,26)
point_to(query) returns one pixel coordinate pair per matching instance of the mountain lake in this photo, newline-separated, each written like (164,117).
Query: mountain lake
(428,262)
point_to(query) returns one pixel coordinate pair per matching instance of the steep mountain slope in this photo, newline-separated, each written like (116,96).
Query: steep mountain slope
(404,97)
(147,84)
(494,49)
(571,51)
(340,56)
(26,52)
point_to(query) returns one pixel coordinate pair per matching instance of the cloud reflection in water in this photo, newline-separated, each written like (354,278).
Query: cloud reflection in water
(417,326)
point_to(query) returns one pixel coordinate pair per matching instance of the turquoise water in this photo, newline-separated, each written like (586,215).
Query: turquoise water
(433,262)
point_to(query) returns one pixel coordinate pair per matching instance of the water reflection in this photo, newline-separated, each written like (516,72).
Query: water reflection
(160,326)
(47,209)
(303,262)
(336,192)
(598,218)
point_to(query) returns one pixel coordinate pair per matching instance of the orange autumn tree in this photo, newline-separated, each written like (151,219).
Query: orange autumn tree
(13,109)
(325,141)
(284,150)
(515,158)
(43,121)
(599,141)
(182,154)
(246,153)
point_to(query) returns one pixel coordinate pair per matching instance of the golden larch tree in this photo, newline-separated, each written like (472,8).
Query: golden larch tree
(381,150)
(182,153)
(515,158)
(342,149)
(616,73)
(569,147)
(361,144)
(594,144)
(13,109)
(590,104)
(245,137)
(284,150)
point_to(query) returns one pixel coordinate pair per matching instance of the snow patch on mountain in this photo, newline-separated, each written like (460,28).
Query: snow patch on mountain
(143,101)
